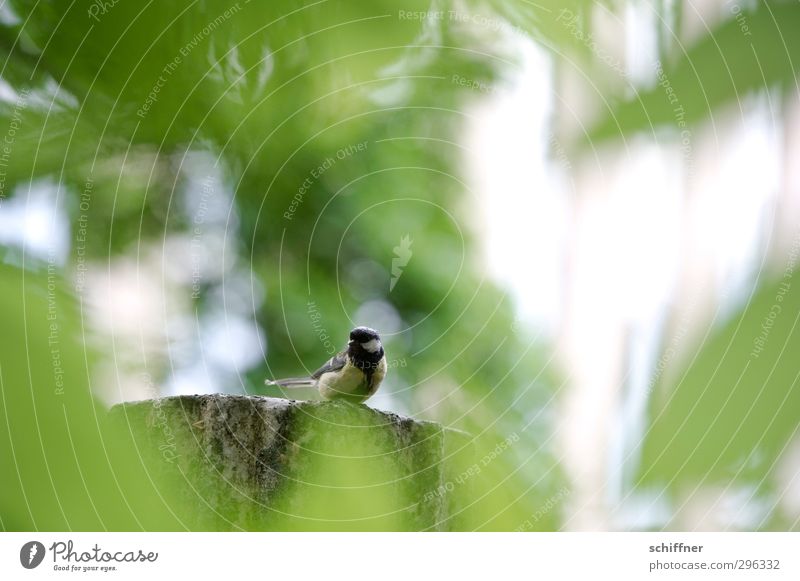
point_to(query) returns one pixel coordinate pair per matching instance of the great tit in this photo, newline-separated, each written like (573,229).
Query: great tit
(353,374)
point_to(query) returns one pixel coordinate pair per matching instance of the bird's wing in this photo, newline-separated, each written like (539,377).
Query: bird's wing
(335,363)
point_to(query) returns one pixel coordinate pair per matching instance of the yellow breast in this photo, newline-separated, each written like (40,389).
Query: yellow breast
(351,383)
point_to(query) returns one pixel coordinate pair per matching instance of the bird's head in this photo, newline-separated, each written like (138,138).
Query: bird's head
(368,339)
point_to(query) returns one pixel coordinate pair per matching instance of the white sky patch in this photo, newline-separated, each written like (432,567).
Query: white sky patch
(522,212)
(32,220)
(7,93)
(741,194)
(7,15)
(231,343)
(191,380)
(379,315)
(641,46)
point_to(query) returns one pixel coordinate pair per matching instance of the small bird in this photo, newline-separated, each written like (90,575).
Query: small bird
(353,374)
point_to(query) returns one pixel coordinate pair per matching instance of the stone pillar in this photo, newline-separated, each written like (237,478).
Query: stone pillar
(231,462)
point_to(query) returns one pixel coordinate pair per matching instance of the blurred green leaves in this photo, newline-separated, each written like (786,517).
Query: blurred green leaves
(63,468)
(120,99)
(753,51)
(732,411)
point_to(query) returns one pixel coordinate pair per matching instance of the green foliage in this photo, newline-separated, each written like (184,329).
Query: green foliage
(271,91)
(756,51)
(334,126)
(729,414)
(63,469)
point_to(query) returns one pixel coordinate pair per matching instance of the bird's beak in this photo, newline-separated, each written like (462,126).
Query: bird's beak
(351,342)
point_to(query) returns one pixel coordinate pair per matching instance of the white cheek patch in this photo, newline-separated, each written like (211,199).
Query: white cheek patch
(372,345)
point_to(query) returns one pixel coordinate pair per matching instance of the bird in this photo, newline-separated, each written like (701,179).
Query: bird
(354,374)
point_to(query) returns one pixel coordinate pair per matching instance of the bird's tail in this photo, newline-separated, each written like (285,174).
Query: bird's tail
(292,382)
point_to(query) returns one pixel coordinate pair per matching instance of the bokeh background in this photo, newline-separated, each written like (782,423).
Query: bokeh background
(576,225)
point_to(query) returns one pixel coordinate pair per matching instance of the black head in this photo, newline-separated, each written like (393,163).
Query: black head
(364,346)
(363,335)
